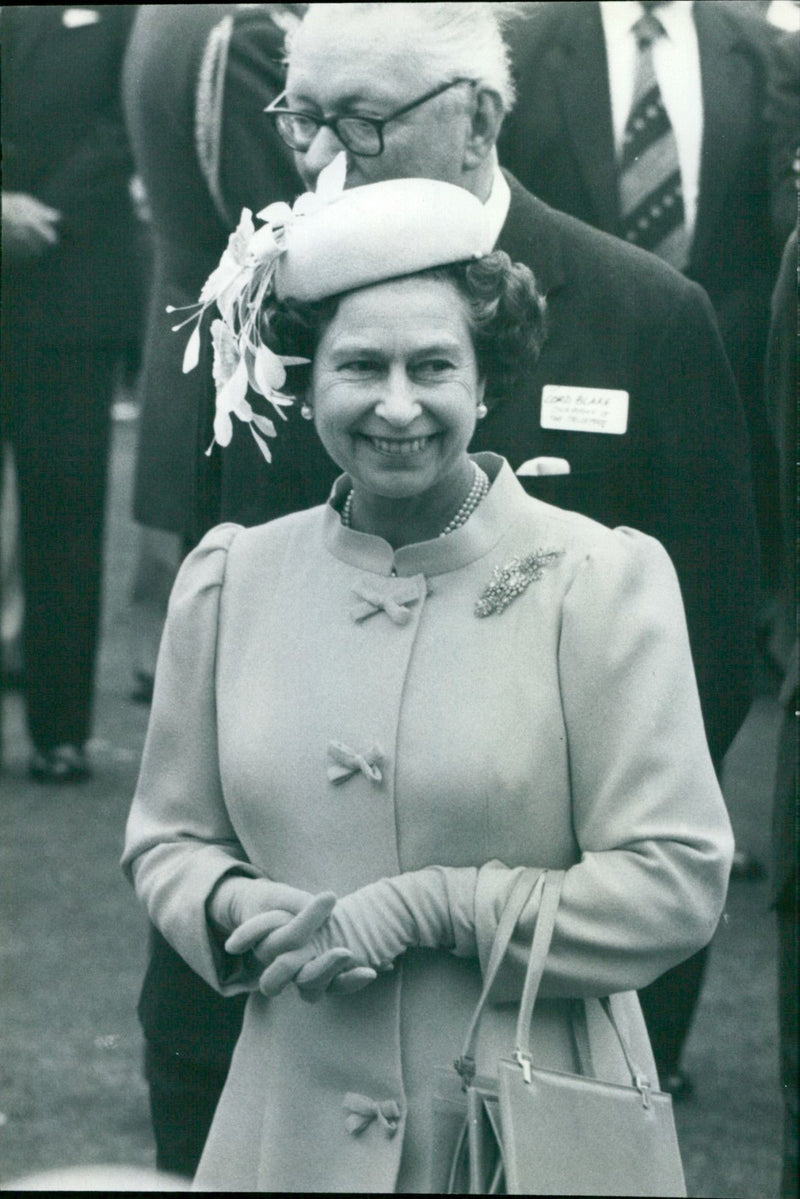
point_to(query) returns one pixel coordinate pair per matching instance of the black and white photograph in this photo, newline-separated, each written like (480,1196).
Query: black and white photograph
(398,626)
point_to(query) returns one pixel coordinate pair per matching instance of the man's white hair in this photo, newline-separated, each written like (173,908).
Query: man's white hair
(455,39)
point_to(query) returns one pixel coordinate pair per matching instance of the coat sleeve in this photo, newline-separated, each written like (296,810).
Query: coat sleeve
(179,841)
(649,818)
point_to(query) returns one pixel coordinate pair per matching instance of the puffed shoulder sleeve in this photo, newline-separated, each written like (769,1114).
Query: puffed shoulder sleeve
(648,815)
(179,841)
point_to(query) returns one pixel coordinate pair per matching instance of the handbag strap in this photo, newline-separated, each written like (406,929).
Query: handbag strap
(521,892)
(540,947)
(549,883)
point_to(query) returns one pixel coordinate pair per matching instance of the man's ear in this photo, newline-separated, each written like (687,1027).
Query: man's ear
(487,117)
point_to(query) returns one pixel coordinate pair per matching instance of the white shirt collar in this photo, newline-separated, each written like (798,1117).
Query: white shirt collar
(496,207)
(620,16)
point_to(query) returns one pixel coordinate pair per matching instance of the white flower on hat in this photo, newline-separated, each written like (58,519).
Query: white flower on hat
(239,286)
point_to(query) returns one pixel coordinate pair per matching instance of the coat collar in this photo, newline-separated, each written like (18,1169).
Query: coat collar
(530,236)
(488,523)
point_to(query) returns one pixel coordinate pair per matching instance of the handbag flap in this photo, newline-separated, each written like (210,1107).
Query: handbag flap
(564,1134)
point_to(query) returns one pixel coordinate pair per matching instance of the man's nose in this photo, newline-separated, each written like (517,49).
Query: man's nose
(319,154)
(398,404)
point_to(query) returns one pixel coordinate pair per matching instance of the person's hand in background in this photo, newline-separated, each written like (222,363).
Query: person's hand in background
(29,226)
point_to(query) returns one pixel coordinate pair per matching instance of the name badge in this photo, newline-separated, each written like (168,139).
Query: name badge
(584,409)
(78,18)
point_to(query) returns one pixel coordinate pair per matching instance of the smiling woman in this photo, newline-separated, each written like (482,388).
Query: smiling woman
(400,371)
(373,717)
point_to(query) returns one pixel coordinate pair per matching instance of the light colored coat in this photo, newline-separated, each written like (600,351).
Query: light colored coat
(563,731)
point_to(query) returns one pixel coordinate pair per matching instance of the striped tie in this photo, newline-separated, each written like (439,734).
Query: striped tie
(651,197)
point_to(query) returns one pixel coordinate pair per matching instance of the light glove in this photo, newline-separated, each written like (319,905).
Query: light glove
(270,919)
(431,908)
(239,898)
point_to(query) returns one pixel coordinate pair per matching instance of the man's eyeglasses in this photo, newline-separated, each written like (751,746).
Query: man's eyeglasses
(359,135)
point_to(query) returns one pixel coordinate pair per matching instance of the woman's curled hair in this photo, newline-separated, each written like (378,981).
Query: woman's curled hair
(505,311)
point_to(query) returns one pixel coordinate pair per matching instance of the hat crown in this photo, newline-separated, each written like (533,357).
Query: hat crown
(380,231)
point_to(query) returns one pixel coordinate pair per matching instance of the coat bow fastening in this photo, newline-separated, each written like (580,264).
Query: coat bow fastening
(394,602)
(345,762)
(364,1111)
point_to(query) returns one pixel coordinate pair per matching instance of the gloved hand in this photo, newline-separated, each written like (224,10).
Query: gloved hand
(432,908)
(238,899)
(270,919)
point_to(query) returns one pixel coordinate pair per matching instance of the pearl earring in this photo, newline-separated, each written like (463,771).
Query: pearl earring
(481,410)
(306,411)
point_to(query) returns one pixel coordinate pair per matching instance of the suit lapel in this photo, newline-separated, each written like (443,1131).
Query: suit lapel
(725,76)
(581,76)
(527,237)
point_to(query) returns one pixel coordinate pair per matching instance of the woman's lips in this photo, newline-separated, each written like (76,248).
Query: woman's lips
(399,447)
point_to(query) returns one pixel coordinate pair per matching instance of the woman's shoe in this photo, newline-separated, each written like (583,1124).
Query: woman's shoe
(62,764)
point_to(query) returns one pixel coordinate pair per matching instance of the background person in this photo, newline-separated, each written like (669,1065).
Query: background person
(71,309)
(701,162)
(196,80)
(377,815)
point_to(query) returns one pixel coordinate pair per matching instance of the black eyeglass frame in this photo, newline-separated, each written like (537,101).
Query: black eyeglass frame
(377,123)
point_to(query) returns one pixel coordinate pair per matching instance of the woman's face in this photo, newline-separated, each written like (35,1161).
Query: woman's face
(395,387)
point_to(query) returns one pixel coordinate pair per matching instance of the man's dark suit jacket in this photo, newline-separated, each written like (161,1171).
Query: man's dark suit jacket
(191,228)
(559,143)
(64,142)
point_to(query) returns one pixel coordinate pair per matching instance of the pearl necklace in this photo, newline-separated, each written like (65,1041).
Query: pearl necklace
(477,492)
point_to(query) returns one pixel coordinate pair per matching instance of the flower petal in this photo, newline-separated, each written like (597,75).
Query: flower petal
(242,408)
(223,427)
(277,215)
(331,180)
(239,240)
(231,398)
(226,352)
(330,184)
(191,355)
(280,401)
(229,296)
(268,370)
(265,425)
(224,273)
(262,445)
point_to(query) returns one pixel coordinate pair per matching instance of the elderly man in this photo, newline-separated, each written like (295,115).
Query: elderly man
(628,336)
(631,415)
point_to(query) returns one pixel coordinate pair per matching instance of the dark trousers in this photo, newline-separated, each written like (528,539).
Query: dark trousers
(55,413)
(190,1032)
(668,1006)
(785,830)
(183,1098)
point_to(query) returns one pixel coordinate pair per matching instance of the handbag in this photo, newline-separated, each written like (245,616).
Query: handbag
(536,1131)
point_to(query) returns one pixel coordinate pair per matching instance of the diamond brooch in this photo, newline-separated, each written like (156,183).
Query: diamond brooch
(510,580)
